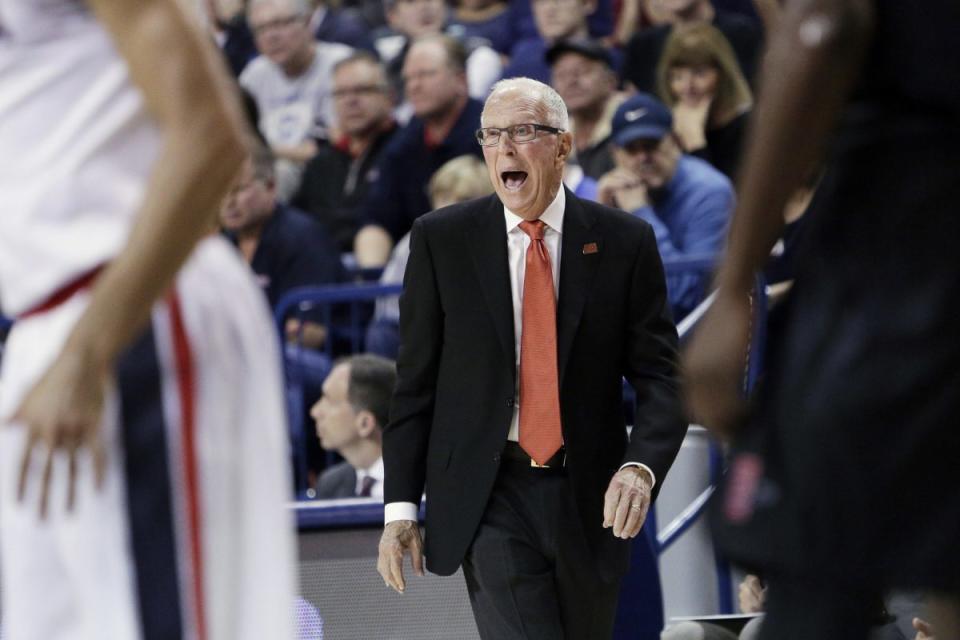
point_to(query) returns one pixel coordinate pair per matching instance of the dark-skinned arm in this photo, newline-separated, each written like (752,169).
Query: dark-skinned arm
(811,67)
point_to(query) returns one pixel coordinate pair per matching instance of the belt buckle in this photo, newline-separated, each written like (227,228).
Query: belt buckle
(563,463)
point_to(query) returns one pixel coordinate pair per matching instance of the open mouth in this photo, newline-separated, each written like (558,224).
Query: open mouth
(513,180)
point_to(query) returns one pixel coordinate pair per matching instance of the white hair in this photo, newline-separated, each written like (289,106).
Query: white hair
(300,7)
(556,109)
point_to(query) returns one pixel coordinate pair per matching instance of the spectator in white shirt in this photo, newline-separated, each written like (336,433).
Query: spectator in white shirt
(291,81)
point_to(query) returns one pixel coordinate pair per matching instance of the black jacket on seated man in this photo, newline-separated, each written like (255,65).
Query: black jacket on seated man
(294,251)
(339,481)
(335,183)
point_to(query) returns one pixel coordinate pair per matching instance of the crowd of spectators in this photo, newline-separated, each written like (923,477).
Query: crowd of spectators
(368,111)
(361,102)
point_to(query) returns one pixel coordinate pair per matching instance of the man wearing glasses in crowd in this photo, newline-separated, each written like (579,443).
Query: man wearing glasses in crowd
(338,178)
(290,82)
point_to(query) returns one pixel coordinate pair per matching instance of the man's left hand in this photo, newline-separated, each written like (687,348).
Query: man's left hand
(626,502)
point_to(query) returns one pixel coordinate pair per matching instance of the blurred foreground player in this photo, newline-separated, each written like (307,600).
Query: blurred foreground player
(858,489)
(142,454)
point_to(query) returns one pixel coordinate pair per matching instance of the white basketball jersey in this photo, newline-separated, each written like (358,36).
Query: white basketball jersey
(76,148)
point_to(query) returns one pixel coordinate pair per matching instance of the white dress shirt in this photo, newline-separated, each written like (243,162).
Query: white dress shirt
(517,243)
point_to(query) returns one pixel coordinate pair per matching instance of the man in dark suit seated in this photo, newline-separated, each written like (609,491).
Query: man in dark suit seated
(521,314)
(350,416)
(284,247)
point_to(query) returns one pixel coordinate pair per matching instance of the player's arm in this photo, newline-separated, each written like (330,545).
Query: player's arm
(185,88)
(813,61)
(815,54)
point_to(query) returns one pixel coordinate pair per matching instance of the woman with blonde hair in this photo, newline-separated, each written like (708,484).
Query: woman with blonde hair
(699,78)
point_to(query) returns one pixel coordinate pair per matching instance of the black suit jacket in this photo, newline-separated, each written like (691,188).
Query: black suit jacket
(339,481)
(454,398)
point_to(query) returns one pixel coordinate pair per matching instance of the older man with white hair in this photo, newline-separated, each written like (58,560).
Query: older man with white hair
(522,313)
(291,82)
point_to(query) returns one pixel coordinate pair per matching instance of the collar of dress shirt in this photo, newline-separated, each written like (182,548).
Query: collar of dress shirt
(375,471)
(552,217)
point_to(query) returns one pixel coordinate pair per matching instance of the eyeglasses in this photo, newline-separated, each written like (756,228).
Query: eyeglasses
(490,136)
(362,90)
(423,75)
(278,23)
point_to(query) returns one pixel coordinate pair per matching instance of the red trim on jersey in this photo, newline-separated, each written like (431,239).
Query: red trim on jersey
(64,293)
(186,383)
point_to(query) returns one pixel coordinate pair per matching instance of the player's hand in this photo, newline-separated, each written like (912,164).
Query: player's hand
(62,413)
(715,362)
(924,629)
(623,189)
(399,537)
(751,595)
(627,501)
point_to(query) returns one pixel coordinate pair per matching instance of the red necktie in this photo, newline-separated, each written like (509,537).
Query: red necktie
(540,434)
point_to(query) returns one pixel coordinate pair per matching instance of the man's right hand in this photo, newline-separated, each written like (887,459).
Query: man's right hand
(399,537)
(752,595)
(923,628)
(622,189)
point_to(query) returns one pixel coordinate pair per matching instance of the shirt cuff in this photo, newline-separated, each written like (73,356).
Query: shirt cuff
(399,511)
(642,466)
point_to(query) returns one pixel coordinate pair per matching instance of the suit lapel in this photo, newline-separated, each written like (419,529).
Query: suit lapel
(488,246)
(578,266)
(349,485)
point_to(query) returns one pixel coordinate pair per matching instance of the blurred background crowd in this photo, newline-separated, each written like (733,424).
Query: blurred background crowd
(368,110)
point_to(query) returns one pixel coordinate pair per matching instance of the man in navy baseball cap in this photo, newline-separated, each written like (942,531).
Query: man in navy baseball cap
(685,200)
(641,117)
